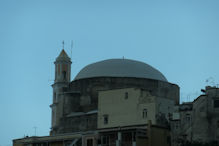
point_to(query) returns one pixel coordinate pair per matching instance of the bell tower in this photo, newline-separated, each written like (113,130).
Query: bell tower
(62,68)
(61,82)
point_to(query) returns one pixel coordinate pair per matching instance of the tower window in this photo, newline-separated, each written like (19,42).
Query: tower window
(144,113)
(64,75)
(105,119)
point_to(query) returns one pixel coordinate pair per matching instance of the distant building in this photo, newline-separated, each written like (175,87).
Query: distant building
(197,121)
(81,108)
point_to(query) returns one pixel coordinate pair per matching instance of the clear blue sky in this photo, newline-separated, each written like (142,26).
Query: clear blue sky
(178,37)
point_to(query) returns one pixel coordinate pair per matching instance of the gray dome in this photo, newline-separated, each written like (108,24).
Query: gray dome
(120,68)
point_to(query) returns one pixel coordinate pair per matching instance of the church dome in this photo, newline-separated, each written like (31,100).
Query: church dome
(120,68)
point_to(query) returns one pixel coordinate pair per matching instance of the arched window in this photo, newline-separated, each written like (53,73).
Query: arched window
(105,119)
(64,75)
(144,113)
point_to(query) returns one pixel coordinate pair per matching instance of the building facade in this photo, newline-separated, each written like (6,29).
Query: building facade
(79,106)
(132,106)
(198,121)
(75,103)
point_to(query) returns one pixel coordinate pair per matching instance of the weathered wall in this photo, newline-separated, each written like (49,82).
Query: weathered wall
(199,120)
(82,96)
(78,123)
(126,111)
(122,110)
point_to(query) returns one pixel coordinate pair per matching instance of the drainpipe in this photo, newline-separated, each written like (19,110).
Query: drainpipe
(119,138)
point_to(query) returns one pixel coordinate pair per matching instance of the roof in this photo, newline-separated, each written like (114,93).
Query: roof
(120,68)
(74,114)
(63,56)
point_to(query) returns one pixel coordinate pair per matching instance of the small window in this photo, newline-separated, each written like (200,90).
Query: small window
(64,75)
(188,117)
(216,103)
(126,95)
(218,124)
(144,114)
(105,119)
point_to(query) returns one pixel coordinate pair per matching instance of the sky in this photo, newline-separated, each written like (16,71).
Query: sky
(180,38)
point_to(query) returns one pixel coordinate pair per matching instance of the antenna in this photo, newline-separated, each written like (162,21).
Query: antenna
(188,97)
(35,128)
(71,47)
(63,44)
(210,81)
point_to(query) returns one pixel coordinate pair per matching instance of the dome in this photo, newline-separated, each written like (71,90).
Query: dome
(120,68)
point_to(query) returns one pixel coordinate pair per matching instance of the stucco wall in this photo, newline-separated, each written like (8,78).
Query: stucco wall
(121,110)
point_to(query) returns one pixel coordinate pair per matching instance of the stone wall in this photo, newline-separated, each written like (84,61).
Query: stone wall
(82,96)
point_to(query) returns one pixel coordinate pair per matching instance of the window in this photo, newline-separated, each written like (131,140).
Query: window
(64,75)
(126,95)
(218,124)
(216,103)
(105,119)
(188,117)
(144,114)
(89,142)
